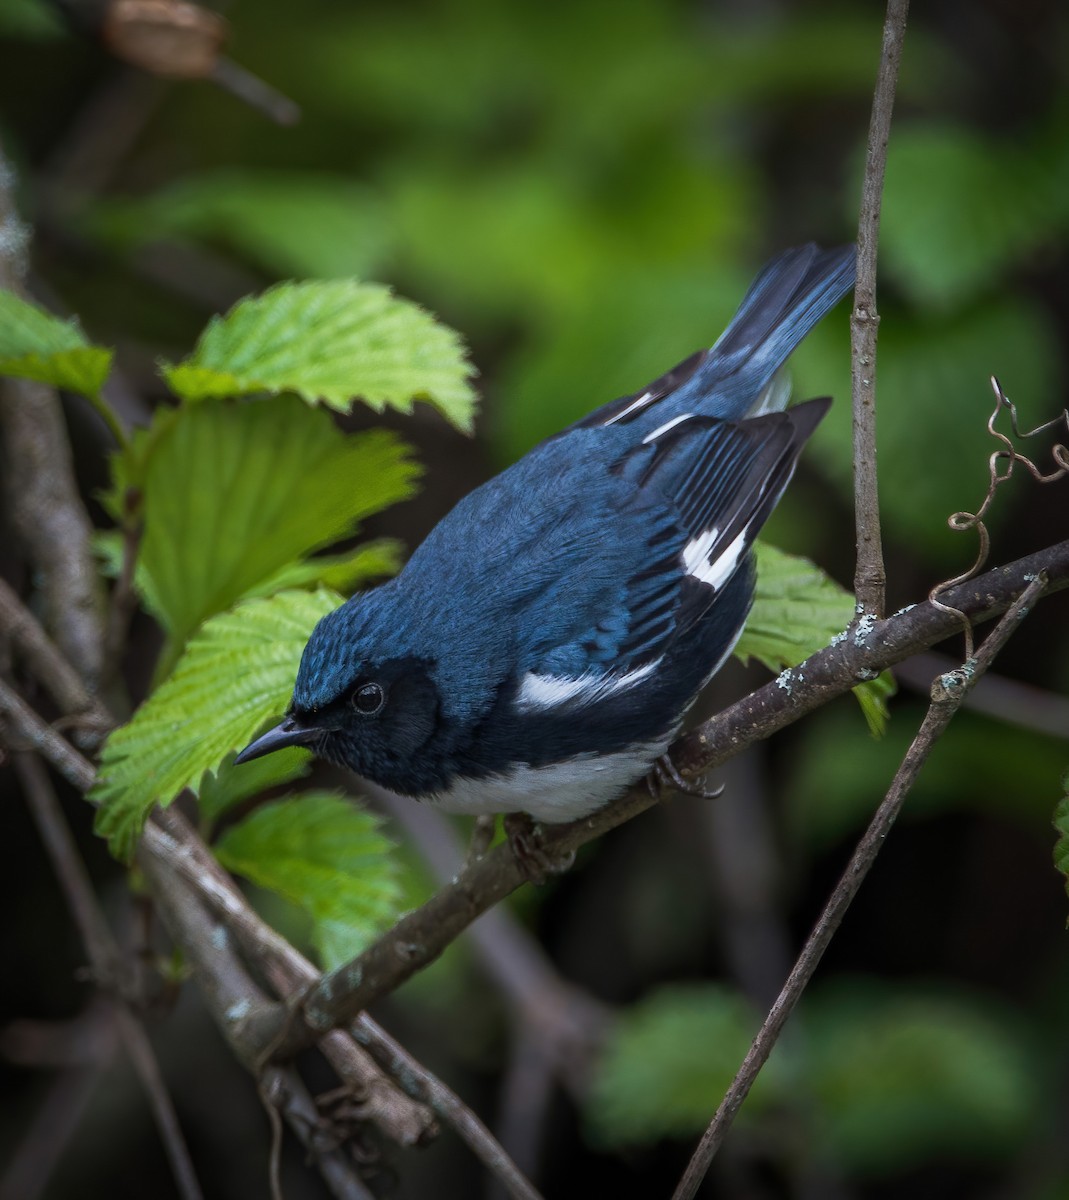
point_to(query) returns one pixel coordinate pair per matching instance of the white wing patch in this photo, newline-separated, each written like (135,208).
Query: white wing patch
(718,570)
(638,403)
(663,429)
(541,692)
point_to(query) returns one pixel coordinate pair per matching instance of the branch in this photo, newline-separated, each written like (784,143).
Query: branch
(47,663)
(566,1021)
(174,844)
(996,696)
(404,1122)
(291,972)
(46,510)
(421,936)
(231,997)
(948,692)
(106,962)
(283,1089)
(870,577)
(30,1165)
(182,850)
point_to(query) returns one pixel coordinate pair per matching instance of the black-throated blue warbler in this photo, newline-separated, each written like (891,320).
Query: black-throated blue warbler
(541,647)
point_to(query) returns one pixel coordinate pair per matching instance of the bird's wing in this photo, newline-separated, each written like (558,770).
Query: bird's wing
(720,480)
(688,504)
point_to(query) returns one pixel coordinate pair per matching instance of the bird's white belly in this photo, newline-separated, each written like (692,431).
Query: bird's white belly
(563,791)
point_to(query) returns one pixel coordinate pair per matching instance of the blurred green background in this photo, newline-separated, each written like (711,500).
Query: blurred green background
(584,192)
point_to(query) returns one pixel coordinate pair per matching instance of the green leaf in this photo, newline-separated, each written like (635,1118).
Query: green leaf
(340,572)
(960,209)
(33,20)
(36,345)
(902,1077)
(934,400)
(1061,825)
(229,785)
(328,857)
(668,1063)
(236,673)
(797,611)
(305,224)
(331,341)
(985,769)
(234,494)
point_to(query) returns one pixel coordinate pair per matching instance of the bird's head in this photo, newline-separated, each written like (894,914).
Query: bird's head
(355,705)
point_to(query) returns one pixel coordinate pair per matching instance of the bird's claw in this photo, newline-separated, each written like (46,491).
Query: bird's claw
(525,840)
(664,773)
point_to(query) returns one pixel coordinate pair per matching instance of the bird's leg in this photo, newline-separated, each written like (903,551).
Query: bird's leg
(664,771)
(482,834)
(525,840)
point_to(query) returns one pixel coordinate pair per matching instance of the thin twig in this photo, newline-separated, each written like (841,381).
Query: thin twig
(106,962)
(51,1127)
(232,997)
(46,509)
(290,972)
(1009,455)
(31,732)
(870,576)
(420,1083)
(567,1021)
(524,1100)
(256,92)
(1006,700)
(48,664)
(289,1096)
(948,692)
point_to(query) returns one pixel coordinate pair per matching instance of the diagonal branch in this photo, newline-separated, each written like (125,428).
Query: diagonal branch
(870,577)
(106,963)
(48,664)
(421,936)
(948,692)
(292,974)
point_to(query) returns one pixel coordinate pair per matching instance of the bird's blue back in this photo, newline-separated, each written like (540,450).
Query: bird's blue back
(553,565)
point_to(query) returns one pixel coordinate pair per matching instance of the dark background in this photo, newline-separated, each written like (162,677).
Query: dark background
(584,193)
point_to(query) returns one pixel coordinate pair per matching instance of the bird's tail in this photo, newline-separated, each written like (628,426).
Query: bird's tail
(738,376)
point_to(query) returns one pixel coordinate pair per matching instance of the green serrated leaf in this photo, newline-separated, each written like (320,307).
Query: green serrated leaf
(236,673)
(340,572)
(667,1065)
(229,785)
(331,341)
(236,494)
(797,611)
(36,345)
(1061,825)
(328,857)
(902,1076)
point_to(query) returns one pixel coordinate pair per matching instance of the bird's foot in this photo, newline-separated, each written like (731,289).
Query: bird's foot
(664,773)
(525,840)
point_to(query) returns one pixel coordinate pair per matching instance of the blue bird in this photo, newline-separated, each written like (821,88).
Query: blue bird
(540,649)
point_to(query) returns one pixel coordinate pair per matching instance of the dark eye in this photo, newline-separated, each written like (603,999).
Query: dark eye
(368,699)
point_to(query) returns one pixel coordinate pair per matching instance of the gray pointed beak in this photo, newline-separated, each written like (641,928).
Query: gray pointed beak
(288,733)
